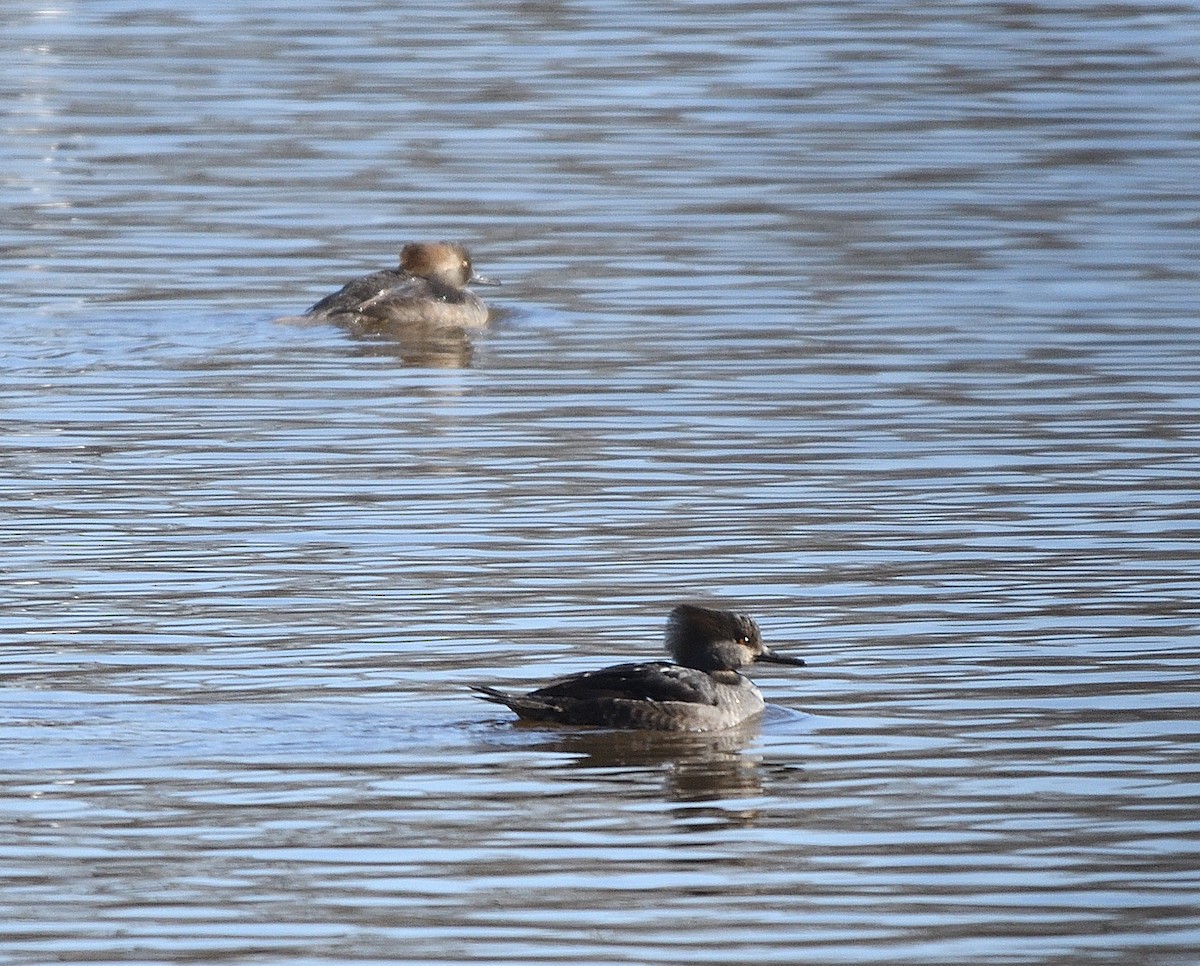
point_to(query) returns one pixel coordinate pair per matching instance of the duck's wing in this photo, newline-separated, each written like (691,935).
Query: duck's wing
(648,681)
(396,294)
(351,295)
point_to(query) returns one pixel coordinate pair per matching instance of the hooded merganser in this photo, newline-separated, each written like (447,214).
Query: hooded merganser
(702,692)
(429,288)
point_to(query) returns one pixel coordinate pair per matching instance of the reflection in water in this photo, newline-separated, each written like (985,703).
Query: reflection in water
(435,347)
(698,767)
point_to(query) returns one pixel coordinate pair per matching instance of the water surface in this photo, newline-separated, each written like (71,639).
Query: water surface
(876,322)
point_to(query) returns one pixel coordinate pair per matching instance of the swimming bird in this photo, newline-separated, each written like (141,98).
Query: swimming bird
(429,288)
(702,691)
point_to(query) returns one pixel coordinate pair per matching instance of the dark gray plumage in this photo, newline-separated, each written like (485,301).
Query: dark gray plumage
(702,692)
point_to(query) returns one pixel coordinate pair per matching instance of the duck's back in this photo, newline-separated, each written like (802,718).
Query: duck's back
(657,696)
(421,301)
(350,296)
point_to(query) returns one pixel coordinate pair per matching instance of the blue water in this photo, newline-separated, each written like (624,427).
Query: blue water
(875,322)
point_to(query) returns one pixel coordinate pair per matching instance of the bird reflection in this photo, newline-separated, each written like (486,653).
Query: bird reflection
(437,347)
(699,767)
(430,346)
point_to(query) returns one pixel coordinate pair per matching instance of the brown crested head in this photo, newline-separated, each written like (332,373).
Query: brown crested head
(446,262)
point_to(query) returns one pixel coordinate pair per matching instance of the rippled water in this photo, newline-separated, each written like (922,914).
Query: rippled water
(877,321)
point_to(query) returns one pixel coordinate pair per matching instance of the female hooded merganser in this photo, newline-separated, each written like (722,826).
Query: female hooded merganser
(429,288)
(702,692)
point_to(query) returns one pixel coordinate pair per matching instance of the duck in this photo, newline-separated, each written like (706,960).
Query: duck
(428,288)
(701,690)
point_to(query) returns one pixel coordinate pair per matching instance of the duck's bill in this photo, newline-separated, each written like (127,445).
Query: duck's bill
(770,657)
(482,280)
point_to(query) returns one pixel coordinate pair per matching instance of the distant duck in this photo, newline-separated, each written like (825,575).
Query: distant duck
(703,691)
(428,289)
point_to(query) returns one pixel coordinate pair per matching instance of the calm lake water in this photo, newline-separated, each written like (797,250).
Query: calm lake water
(878,321)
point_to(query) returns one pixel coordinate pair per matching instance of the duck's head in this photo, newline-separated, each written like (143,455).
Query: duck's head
(717,640)
(447,263)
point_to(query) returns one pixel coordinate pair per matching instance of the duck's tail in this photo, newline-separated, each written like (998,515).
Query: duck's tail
(526,706)
(491,694)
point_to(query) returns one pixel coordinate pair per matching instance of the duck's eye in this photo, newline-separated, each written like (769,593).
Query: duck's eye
(744,640)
